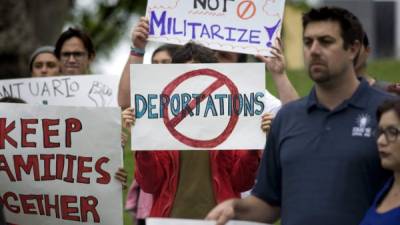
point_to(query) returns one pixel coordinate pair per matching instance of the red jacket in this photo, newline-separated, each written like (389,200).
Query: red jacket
(157,172)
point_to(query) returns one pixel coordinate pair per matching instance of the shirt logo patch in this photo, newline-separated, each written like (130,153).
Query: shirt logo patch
(362,129)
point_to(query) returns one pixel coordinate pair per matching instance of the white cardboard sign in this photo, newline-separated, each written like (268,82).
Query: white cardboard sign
(169,221)
(198,106)
(82,90)
(57,164)
(245,26)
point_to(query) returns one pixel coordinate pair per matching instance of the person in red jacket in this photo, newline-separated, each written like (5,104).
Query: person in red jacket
(187,184)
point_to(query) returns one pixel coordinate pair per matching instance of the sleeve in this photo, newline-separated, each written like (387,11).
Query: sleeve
(244,169)
(272,104)
(268,183)
(149,172)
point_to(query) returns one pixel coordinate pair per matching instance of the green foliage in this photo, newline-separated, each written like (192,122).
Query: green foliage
(380,69)
(108,21)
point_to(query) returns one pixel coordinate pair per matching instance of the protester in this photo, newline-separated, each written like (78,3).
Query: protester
(75,50)
(138,202)
(163,54)
(178,179)
(320,165)
(275,64)
(44,63)
(361,66)
(386,208)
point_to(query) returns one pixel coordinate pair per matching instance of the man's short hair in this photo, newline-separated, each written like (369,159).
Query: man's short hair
(194,52)
(351,28)
(73,32)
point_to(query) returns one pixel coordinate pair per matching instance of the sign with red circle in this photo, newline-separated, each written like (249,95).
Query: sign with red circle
(246,9)
(171,123)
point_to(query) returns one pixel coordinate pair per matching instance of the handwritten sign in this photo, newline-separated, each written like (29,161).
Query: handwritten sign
(86,90)
(244,26)
(198,106)
(168,221)
(57,164)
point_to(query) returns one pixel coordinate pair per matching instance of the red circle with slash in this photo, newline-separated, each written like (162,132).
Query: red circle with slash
(172,123)
(246,9)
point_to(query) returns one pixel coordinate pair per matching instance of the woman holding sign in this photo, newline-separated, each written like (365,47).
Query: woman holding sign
(180,179)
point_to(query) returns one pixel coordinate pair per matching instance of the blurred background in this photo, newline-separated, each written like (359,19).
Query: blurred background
(28,24)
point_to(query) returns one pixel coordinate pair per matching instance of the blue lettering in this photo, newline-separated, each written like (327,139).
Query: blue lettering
(215,33)
(221,98)
(176,32)
(140,109)
(151,106)
(259,103)
(158,23)
(210,106)
(248,105)
(185,104)
(197,98)
(175,104)
(204,31)
(194,25)
(164,101)
(244,31)
(230,33)
(255,37)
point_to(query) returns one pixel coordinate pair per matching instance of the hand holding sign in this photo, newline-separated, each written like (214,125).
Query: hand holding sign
(140,33)
(128,118)
(275,64)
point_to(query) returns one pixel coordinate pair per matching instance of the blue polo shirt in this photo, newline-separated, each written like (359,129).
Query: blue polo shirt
(321,166)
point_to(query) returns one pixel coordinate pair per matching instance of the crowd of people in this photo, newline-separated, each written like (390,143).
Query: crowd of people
(332,157)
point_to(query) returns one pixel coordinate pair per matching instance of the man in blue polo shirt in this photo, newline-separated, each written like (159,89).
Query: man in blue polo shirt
(320,165)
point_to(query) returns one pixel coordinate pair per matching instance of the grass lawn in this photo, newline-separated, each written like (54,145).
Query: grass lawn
(388,70)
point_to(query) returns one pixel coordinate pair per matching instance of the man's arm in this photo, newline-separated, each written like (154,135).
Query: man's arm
(250,208)
(276,65)
(139,40)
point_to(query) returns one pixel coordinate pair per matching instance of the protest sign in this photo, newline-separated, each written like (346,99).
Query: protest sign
(85,90)
(169,221)
(198,106)
(244,26)
(57,164)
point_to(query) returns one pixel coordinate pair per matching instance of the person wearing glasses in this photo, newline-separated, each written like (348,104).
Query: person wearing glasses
(75,50)
(386,207)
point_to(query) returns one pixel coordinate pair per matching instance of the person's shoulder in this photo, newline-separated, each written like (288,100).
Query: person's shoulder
(378,95)
(295,106)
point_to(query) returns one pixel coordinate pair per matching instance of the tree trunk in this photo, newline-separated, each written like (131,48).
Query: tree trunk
(26,25)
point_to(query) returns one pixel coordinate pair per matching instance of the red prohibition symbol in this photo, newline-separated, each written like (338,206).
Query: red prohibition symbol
(246,9)
(173,122)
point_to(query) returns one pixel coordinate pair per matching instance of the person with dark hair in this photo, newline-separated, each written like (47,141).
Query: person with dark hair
(320,164)
(10,99)
(163,54)
(194,53)
(75,50)
(361,66)
(385,209)
(138,203)
(180,179)
(44,63)
(229,57)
